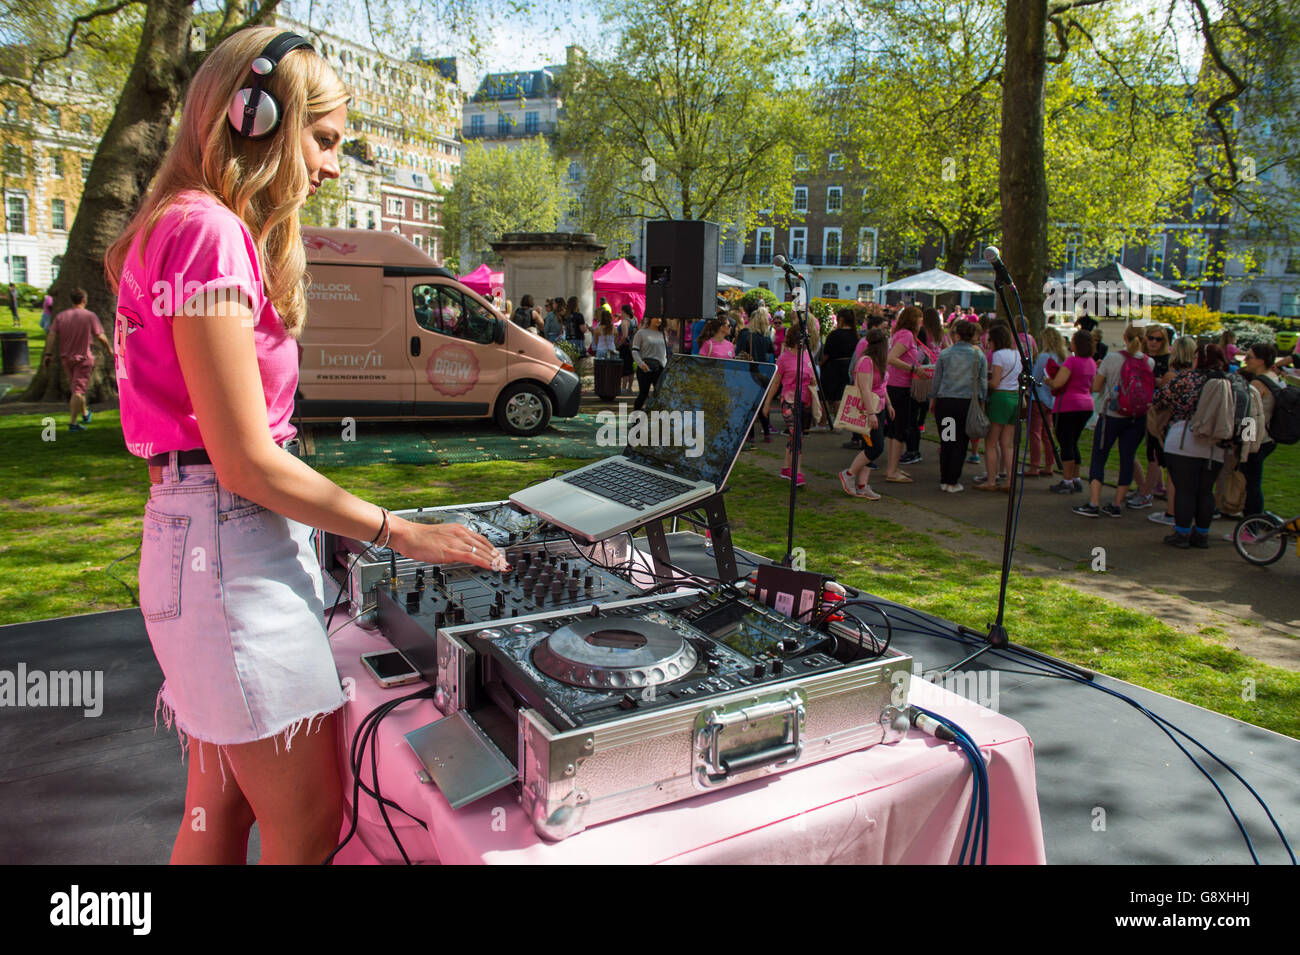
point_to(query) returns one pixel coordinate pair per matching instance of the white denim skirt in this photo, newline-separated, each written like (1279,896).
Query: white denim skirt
(232,599)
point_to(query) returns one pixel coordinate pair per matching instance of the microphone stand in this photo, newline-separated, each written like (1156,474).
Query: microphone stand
(801,337)
(997,637)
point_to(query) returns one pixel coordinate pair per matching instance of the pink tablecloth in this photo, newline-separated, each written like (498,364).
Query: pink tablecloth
(898,803)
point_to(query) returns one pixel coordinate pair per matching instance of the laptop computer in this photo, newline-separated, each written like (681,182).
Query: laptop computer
(679,451)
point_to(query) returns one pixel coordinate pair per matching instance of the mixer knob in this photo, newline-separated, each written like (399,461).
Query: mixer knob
(494,611)
(573,587)
(594,611)
(777,666)
(556,587)
(419,579)
(760,670)
(789,644)
(501,599)
(586,583)
(514,611)
(413,601)
(459,613)
(564,567)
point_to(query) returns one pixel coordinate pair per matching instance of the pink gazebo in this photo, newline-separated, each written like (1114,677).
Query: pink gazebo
(483,280)
(618,282)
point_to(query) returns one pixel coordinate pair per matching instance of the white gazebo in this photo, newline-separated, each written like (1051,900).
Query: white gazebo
(933,282)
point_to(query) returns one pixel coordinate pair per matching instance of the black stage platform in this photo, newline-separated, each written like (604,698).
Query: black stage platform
(107,789)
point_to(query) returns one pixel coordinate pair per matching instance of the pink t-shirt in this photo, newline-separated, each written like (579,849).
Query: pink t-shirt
(715,349)
(199,256)
(900,377)
(877,380)
(1077,395)
(786,367)
(76,328)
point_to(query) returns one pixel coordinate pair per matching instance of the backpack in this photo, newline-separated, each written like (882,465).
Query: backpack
(1137,386)
(1284,425)
(1241,398)
(523,317)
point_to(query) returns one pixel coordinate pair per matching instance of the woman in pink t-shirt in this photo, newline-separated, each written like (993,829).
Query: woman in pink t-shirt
(1072,386)
(715,344)
(904,357)
(795,371)
(209,278)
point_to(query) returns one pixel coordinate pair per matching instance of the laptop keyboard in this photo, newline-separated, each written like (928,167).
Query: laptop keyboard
(630,486)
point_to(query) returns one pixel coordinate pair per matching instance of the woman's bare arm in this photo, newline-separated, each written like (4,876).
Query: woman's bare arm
(219,362)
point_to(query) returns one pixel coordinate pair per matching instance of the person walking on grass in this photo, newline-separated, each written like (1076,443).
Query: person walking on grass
(649,355)
(207,399)
(13,304)
(961,376)
(869,377)
(623,342)
(76,328)
(1125,382)
(1257,368)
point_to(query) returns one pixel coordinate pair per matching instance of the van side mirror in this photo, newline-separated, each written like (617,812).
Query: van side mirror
(499,336)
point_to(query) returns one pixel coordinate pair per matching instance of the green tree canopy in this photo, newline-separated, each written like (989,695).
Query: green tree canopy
(516,189)
(694,116)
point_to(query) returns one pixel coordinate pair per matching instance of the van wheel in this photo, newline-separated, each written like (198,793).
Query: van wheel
(524,409)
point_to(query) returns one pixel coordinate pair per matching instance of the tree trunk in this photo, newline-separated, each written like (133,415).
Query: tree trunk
(124,164)
(1022,180)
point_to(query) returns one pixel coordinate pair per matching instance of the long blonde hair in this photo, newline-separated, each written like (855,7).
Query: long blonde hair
(264,182)
(1054,344)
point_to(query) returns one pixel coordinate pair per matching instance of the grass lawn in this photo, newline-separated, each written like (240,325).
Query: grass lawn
(72,506)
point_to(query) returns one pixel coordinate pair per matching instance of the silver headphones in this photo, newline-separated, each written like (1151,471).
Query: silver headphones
(253,112)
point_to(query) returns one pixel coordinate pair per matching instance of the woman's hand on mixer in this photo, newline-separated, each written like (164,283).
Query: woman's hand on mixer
(443,544)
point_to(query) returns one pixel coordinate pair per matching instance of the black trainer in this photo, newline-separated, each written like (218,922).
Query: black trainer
(1087,510)
(1178,540)
(1110,510)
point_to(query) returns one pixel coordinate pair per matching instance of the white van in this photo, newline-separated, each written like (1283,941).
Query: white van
(391,334)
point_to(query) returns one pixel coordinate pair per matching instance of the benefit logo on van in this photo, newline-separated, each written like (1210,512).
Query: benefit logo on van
(452,369)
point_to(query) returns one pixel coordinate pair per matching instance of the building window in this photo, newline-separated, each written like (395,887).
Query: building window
(505,122)
(835,161)
(728,251)
(834,199)
(58,215)
(867,246)
(763,247)
(1249,304)
(419,242)
(800,198)
(18,269)
(1194,264)
(352,218)
(1293,265)
(370,187)
(1291,305)
(830,290)
(56,266)
(532,123)
(476,125)
(575,172)
(394,206)
(801,161)
(13,159)
(1155,264)
(417,210)
(370,218)
(831,247)
(55,117)
(798,244)
(864,291)
(56,165)
(911,252)
(16,212)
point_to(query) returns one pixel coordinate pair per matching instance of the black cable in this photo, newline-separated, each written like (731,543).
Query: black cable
(366,733)
(109,568)
(1055,670)
(347,577)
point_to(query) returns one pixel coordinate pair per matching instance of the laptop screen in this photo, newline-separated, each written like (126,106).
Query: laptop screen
(697,420)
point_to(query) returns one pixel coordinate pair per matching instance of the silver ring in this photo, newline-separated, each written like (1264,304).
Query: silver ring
(473,550)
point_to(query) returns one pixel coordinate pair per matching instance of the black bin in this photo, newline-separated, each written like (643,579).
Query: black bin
(13,352)
(608,375)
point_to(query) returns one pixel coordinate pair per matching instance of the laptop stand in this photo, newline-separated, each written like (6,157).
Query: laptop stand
(715,519)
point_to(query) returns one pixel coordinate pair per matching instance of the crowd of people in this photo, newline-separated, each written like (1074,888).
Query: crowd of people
(914,364)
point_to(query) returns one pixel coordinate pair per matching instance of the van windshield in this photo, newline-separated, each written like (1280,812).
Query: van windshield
(442,309)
